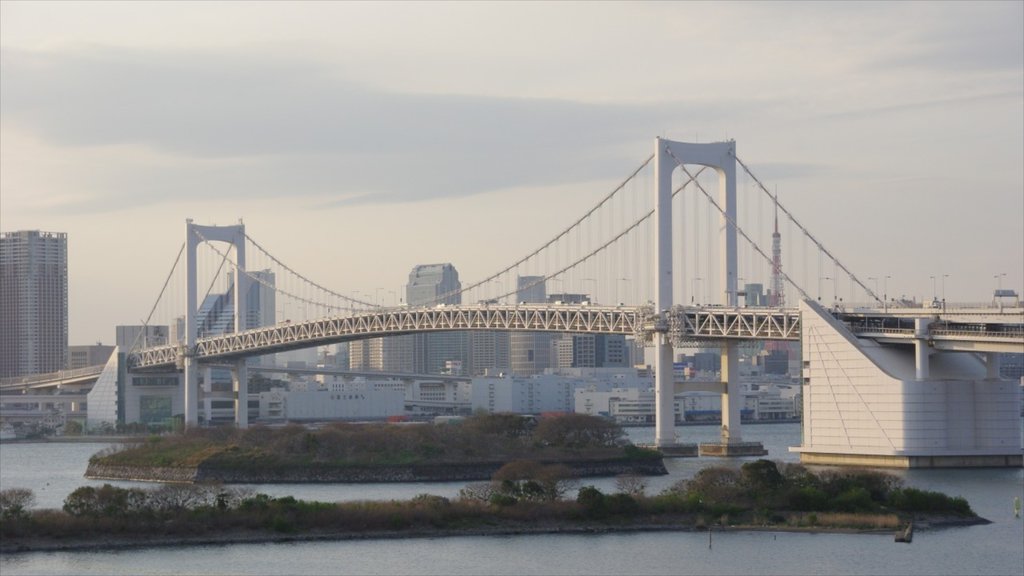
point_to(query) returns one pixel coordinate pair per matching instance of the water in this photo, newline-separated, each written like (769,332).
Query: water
(54,470)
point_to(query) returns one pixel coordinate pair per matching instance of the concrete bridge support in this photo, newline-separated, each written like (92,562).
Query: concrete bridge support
(240,386)
(722,157)
(921,348)
(870,404)
(992,366)
(195,234)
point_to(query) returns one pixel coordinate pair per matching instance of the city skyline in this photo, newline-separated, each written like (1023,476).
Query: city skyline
(894,131)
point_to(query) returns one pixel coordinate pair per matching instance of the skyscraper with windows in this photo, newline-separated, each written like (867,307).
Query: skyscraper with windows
(429,285)
(530,351)
(33,302)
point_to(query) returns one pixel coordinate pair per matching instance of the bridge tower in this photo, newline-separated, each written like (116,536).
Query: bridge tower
(667,157)
(235,236)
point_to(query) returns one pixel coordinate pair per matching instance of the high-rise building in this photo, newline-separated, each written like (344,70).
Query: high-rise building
(33,302)
(429,285)
(530,351)
(589,351)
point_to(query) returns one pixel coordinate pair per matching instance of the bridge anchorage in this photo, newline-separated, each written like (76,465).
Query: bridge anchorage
(882,386)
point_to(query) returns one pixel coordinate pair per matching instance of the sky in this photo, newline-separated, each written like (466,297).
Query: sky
(356,140)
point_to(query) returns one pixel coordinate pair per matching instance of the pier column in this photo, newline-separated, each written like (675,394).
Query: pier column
(191,329)
(207,394)
(921,348)
(992,365)
(732,399)
(664,383)
(240,384)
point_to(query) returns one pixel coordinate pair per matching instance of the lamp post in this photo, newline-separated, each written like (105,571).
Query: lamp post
(885,294)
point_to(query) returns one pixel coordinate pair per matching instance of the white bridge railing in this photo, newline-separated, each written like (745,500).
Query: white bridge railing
(684,324)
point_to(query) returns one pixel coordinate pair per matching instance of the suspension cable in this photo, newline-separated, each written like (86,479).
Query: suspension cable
(586,257)
(145,323)
(732,222)
(263,282)
(307,280)
(553,240)
(806,232)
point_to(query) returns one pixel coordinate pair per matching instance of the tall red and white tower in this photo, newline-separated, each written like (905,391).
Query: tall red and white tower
(778,298)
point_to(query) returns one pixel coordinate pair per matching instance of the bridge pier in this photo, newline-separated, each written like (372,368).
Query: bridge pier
(240,385)
(732,398)
(194,235)
(992,366)
(664,392)
(870,405)
(921,347)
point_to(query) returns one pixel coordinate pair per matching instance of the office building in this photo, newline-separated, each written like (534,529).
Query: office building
(530,352)
(33,302)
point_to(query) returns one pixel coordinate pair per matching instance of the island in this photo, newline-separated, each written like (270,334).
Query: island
(471,448)
(523,497)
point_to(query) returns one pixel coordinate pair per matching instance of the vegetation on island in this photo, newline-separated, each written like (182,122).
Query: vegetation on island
(524,496)
(479,438)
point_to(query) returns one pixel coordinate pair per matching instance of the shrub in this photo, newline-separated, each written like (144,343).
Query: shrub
(807,499)
(631,484)
(15,503)
(856,499)
(915,500)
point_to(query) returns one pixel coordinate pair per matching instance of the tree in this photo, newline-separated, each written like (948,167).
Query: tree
(15,502)
(577,431)
(631,484)
(530,480)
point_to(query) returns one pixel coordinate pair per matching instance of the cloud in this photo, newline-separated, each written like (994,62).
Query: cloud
(258,125)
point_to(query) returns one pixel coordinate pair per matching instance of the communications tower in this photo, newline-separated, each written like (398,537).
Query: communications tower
(778,298)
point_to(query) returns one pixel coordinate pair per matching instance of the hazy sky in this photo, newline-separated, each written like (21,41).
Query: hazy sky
(348,135)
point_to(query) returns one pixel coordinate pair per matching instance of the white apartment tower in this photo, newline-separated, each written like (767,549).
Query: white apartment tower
(33,302)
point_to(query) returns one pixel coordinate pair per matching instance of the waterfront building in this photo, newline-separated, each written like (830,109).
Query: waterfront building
(85,356)
(359,399)
(128,337)
(33,302)
(523,395)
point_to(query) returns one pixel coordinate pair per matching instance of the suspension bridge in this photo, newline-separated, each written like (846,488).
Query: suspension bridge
(671,258)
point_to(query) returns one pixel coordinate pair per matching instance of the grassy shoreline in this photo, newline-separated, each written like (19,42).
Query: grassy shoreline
(683,523)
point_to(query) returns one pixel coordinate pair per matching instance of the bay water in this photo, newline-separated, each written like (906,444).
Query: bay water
(54,470)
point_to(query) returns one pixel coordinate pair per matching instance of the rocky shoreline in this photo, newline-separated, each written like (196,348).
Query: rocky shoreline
(452,472)
(665,524)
